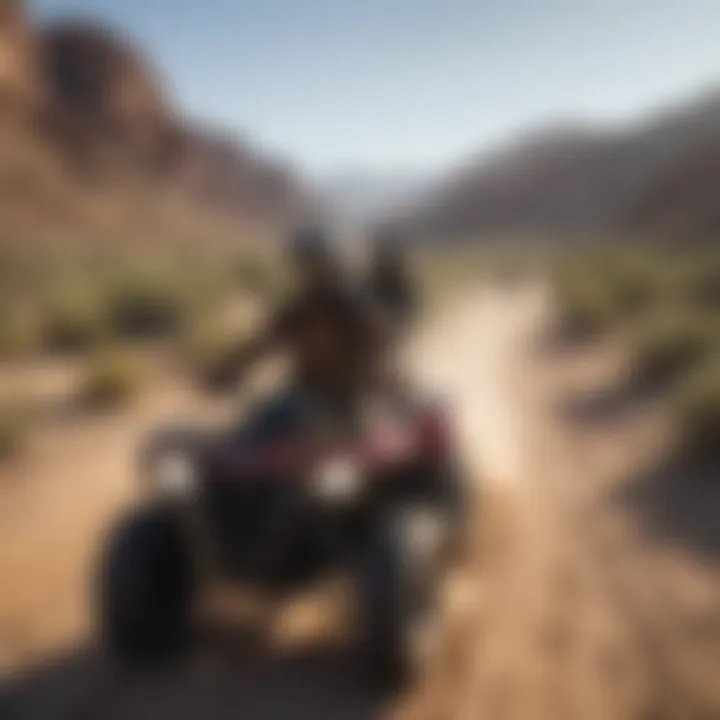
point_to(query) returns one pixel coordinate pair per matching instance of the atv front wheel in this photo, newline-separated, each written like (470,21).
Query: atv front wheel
(146,589)
(397,603)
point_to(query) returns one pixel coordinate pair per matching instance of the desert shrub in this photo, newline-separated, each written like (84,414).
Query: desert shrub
(113,377)
(255,274)
(18,334)
(618,285)
(147,306)
(696,405)
(671,345)
(74,322)
(633,286)
(199,283)
(586,303)
(16,419)
(703,284)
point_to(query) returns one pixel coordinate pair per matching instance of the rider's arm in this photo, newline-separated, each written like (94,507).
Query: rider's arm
(240,360)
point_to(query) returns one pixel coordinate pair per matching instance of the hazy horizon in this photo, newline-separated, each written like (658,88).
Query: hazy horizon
(413,87)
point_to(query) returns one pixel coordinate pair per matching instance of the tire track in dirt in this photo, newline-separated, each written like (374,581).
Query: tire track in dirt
(563,626)
(532,661)
(647,588)
(643,659)
(484,641)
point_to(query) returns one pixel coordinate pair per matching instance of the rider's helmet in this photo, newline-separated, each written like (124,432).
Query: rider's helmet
(388,247)
(313,250)
(309,245)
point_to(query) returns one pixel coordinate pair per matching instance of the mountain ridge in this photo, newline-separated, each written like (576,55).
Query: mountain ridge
(649,175)
(86,102)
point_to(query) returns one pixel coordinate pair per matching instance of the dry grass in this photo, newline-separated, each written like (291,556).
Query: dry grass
(114,377)
(667,301)
(74,322)
(696,402)
(18,333)
(670,345)
(17,417)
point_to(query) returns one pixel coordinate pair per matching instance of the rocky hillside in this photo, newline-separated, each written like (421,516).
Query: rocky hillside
(684,198)
(19,82)
(93,144)
(662,173)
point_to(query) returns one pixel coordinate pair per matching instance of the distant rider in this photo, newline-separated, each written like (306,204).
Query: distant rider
(390,282)
(328,328)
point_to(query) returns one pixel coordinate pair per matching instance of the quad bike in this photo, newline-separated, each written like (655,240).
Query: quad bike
(277,506)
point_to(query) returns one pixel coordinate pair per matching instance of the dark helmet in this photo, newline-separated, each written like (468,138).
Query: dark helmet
(311,244)
(388,245)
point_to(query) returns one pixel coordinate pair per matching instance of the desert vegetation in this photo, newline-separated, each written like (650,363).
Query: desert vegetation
(16,419)
(104,308)
(106,312)
(665,298)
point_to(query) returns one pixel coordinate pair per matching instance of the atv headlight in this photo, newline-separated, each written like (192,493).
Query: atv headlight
(338,481)
(175,475)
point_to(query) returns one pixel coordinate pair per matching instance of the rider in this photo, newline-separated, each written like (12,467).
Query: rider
(329,330)
(390,283)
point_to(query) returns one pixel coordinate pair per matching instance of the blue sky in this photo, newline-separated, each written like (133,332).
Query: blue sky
(413,84)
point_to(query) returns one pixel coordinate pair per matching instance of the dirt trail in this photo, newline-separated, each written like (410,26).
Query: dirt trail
(55,503)
(574,608)
(563,609)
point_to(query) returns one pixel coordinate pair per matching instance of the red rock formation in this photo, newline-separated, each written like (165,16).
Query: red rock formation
(99,111)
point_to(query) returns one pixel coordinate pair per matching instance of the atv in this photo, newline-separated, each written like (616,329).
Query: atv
(282,505)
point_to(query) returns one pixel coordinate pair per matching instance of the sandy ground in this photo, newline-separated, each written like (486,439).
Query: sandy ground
(579,597)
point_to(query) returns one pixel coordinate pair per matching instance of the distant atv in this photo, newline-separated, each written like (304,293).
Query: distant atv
(282,508)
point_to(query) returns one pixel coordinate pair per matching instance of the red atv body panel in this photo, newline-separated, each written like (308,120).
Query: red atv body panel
(423,435)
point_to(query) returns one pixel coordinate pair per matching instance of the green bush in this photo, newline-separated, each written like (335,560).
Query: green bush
(74,323)
(586,304)
(113,377)
(696,405)
(147,307)
(16,419)
(670,346)
(604,287)
(633,289)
